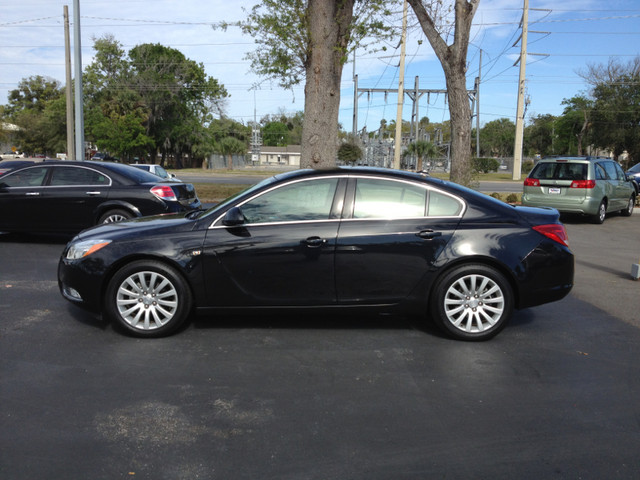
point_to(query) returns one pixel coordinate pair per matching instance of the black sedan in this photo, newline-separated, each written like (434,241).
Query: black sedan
(68,196)
(322,240)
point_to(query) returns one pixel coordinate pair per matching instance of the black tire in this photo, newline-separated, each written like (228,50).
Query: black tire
(599,217)
(472,302)
(630,204)
(148,299)
(116,215)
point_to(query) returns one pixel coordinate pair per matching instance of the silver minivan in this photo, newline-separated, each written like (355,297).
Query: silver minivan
(592,186)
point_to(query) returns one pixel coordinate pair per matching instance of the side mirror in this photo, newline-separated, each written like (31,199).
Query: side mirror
(233,217)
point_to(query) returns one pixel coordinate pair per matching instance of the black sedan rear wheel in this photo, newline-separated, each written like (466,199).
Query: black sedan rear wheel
(472,302)
(112,216)
(148,298)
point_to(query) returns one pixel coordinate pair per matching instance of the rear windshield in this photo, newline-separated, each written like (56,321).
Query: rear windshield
(560,171)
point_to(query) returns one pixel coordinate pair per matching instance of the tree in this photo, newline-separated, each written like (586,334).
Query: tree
(421,149)
(575,120)
(453,59)
(275,134)
(311,39)
(615,117)
(539,136)
(229,146)
(497,138)
(37,107)
(349,153)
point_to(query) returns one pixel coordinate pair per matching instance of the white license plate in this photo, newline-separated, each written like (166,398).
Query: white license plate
(554,190)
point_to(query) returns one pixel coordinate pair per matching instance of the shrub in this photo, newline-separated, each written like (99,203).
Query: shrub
(485,165)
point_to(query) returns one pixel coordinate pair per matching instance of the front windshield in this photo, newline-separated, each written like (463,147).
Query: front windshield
(635,168)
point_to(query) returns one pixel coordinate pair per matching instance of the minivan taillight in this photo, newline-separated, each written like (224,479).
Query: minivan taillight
(164,192)
(554,231)
(531,182)
(583,184)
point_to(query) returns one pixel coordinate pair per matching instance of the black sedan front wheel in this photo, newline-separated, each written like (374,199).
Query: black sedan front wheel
(148,299)
(472,302)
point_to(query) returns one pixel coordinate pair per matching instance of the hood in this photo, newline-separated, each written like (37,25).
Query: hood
(137,226)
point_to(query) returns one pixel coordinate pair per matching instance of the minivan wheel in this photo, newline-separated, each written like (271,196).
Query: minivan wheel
(472,302)
(602,213)
(629,210)
(148,299)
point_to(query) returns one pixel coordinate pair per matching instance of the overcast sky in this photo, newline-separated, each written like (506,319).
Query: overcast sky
(563,38)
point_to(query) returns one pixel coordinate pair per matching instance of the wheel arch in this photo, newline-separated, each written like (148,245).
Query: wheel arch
(487,261)
(115,205)
(116,266)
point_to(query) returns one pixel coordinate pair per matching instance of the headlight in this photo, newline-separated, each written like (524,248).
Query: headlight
(86,247)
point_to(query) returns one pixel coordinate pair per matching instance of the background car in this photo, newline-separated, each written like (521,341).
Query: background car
(634,174)
(586,185)
(156,170)
(327,240)
(68,196)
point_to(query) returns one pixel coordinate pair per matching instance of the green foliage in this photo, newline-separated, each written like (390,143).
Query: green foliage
(497,138)
(349,153)
(527,166)
(485,165)
(421,149)
(281,30)
(513,198)
(38,107)
(275,134)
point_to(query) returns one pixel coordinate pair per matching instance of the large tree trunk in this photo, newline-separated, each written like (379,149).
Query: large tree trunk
(454,63)
(329,22)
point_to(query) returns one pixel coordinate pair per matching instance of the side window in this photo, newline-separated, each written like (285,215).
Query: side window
(600,173)
(77,176)
(388,199)
(299,201)
(610,168)
(441,205)
(30,177)
(619,172)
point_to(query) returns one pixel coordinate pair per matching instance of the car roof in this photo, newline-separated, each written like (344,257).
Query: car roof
(574,159)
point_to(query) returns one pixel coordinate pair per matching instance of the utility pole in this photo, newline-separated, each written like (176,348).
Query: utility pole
(69,89)
(478,80)
(398,144)
(79,111)
(517,151)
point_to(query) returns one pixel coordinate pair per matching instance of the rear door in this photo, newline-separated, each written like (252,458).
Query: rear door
(72,195)
(392,234)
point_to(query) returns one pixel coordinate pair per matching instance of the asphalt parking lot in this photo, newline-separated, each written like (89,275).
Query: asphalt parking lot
(555,395)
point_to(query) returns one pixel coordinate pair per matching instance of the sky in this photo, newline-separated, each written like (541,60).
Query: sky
(564,37)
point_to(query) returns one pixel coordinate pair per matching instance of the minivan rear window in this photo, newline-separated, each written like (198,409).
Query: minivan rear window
(560,171)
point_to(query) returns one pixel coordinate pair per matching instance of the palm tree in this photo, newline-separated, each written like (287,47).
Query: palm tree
(228,146)
(421,149)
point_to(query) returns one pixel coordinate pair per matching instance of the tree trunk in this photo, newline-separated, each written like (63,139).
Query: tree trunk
(329,22)
(453,59)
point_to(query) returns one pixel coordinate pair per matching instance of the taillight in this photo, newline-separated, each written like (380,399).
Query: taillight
(583,184)
(164,192)
(531,182)
(554,231)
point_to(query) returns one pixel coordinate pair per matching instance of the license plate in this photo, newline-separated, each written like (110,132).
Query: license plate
(554,190)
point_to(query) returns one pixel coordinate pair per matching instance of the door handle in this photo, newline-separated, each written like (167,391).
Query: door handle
(32,194)
(93,194)
(429,234)
(314,242)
